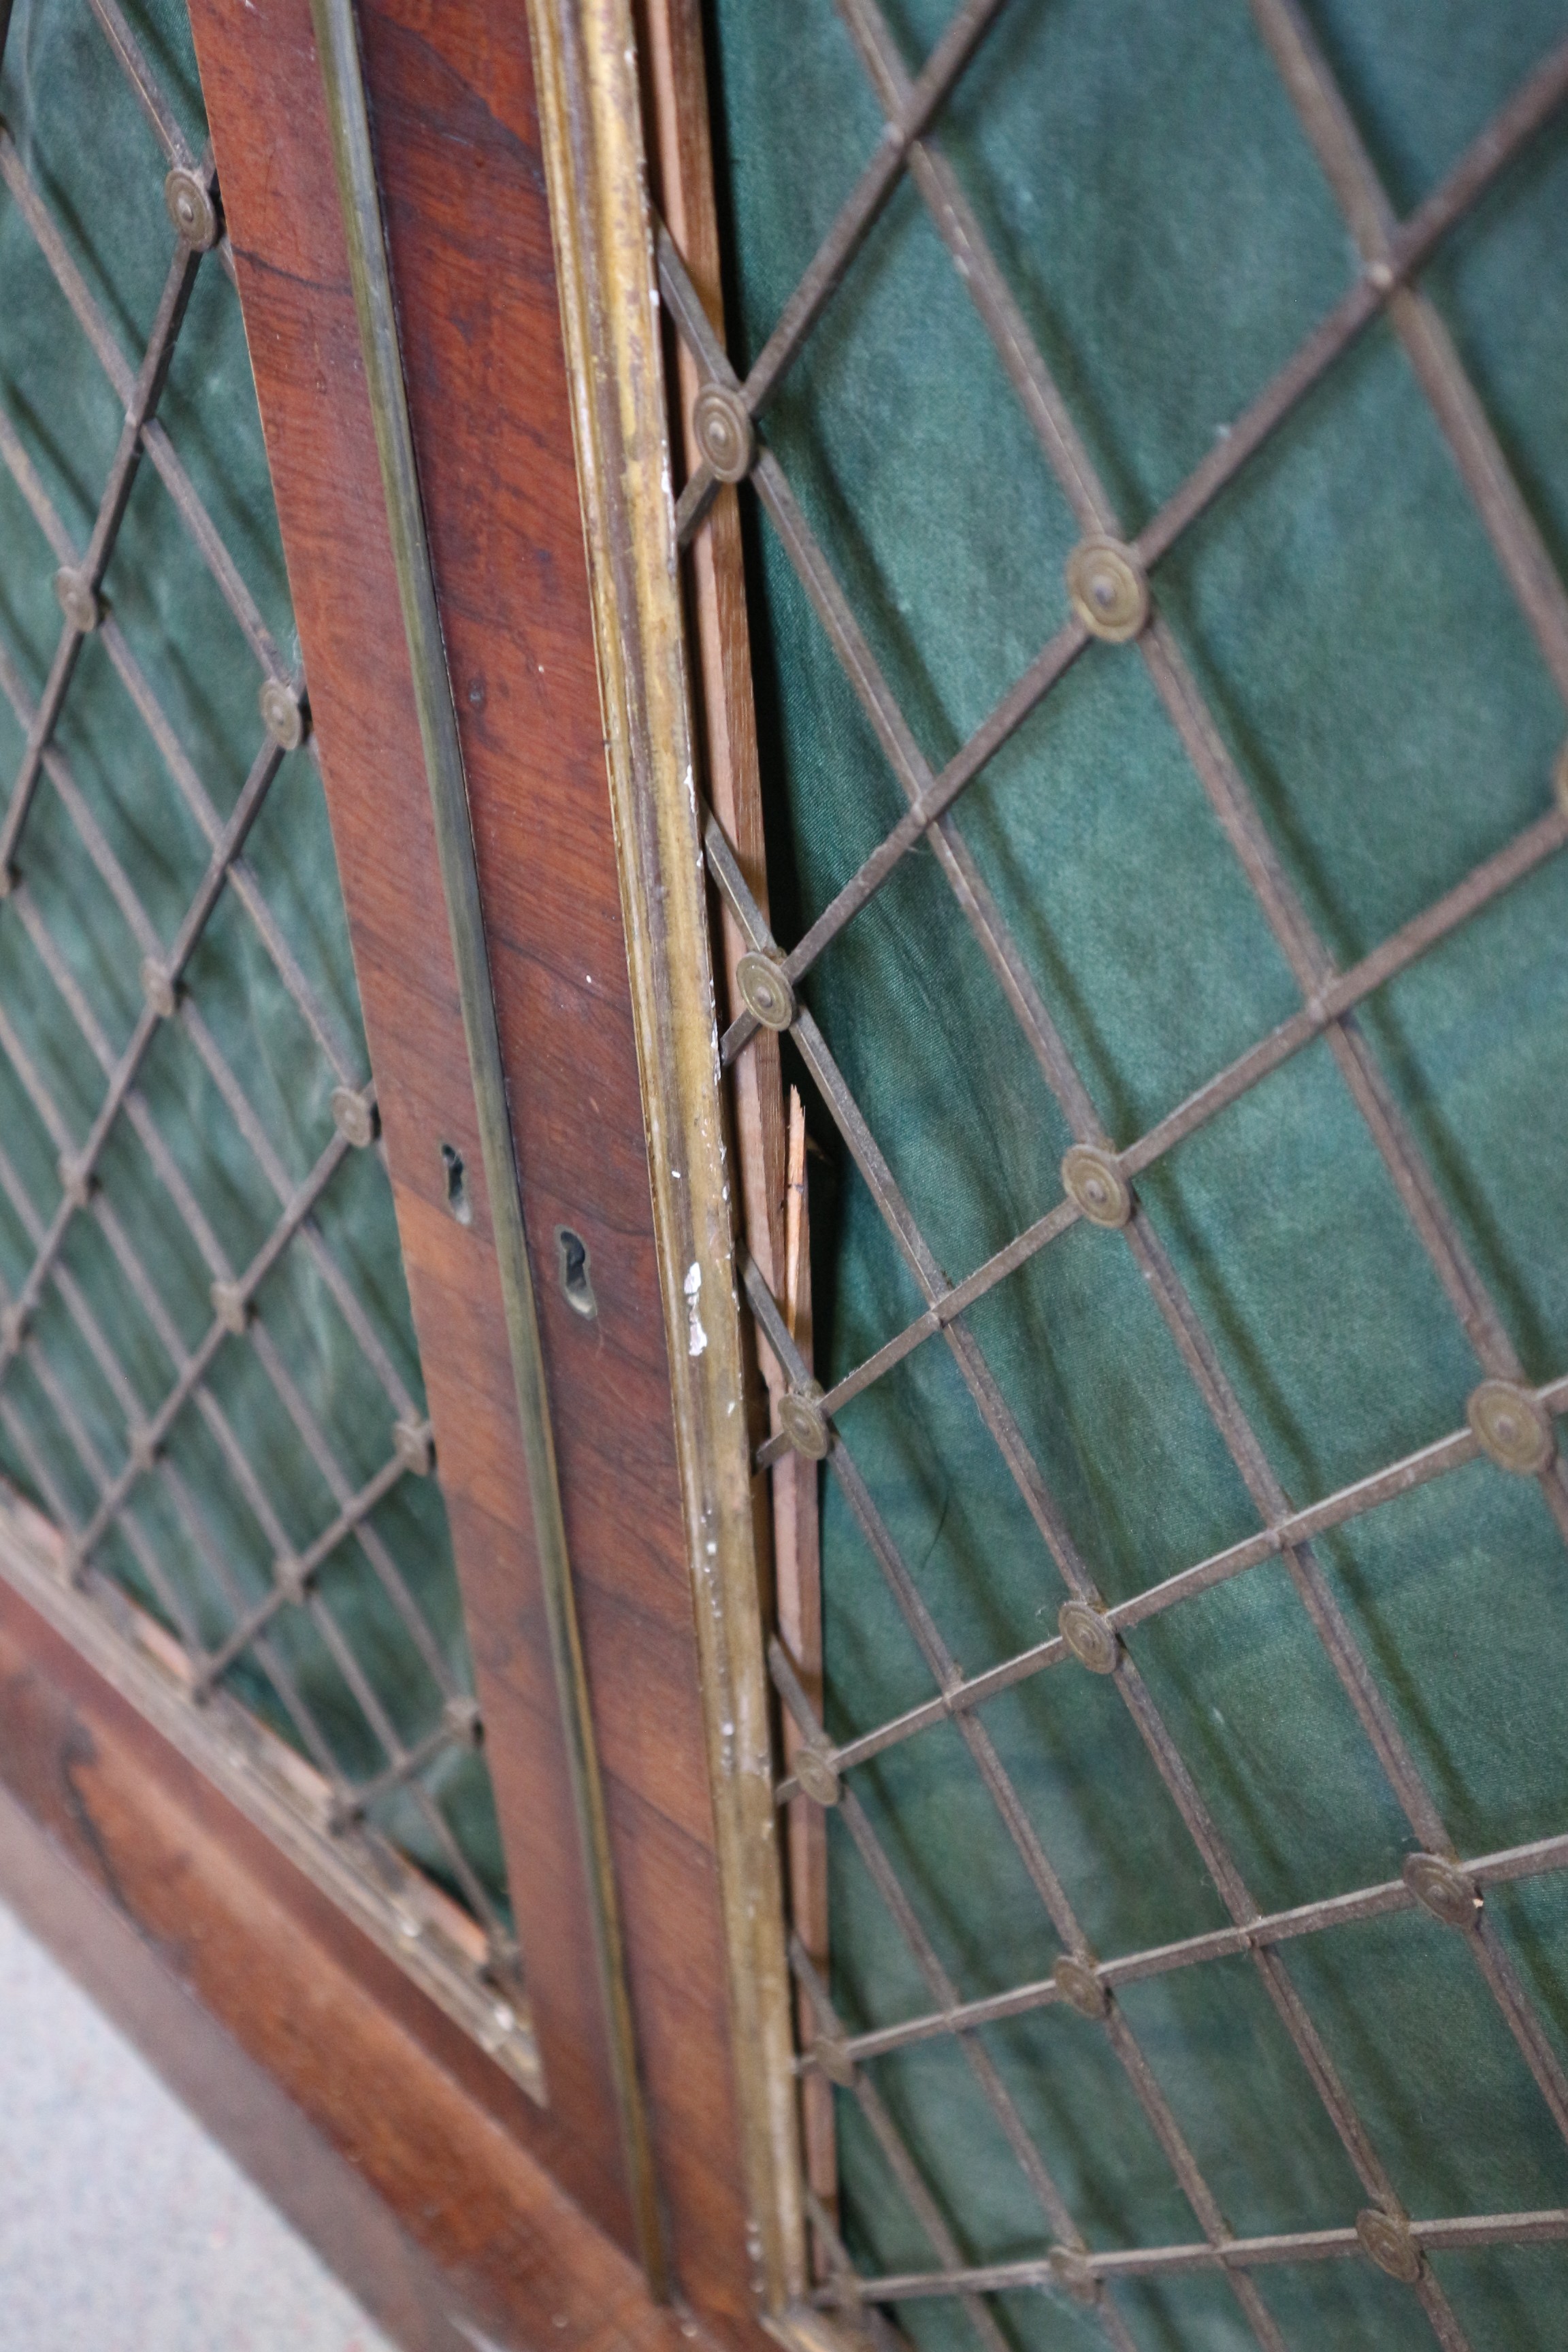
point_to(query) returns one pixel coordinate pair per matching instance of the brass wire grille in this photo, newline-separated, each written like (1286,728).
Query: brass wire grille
(1509,1420)
(377,1778)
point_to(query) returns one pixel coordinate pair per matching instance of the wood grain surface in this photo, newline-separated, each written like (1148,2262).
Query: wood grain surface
(265,103)
(452,107)
(382,2132)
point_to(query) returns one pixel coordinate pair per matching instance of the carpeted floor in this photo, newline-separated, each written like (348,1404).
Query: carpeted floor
(123,2228)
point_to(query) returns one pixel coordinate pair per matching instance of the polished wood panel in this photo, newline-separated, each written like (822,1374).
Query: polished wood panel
(376,2126)
(458,151)
(457,143)
(265,103)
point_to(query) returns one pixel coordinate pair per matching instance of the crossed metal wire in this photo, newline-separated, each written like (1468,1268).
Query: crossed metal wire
(248,1618)
(1099,1187)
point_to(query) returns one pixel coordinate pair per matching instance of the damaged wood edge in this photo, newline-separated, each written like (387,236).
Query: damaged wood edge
(772,1185)
(338,44)
(798,1618)
(591,134)
(802,2327)
(386,1897)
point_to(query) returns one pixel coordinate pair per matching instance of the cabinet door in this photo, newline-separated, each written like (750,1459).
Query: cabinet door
(335,1417)
(1132,662)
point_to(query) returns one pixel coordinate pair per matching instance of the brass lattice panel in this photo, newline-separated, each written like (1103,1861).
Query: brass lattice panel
(1113,596)
(208,1377)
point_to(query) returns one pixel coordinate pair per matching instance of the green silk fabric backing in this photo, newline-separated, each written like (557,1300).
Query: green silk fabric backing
(1165,228)
(89,151)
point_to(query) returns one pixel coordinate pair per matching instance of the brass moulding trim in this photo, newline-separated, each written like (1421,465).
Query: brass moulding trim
(1513,1427)
(338,45)
(585,60)
(1442,1888)
(1096,1186)
(1108,588)
(1089,1636)
(1385,2240)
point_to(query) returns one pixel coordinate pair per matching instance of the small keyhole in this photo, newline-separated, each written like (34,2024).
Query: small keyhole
(457,1198)
(572,1252)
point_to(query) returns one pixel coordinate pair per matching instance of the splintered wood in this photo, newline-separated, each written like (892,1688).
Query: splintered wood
(773,1180)
(798,1556)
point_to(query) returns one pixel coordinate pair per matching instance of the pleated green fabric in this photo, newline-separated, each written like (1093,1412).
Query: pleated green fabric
(1163,224)
(90,154)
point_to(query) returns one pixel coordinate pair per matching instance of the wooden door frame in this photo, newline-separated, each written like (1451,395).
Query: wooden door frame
(647,1884)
